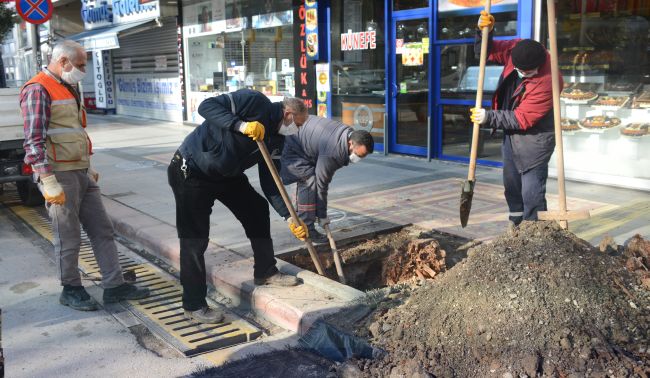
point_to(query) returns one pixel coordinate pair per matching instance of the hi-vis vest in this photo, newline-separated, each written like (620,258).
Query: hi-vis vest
(67,144)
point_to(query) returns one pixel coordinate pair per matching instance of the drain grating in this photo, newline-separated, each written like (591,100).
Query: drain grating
(162,312)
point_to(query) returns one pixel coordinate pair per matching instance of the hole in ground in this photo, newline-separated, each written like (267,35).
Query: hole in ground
(390,258)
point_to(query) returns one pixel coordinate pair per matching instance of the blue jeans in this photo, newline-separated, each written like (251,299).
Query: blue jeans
(525,192)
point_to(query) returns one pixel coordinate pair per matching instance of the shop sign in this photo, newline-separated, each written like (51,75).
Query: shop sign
(103,13)
(461,5)
(96,14)
(156,96)
(304,73)
(134,10)
(104,88)
(412,54)
(323,77)
(311,26)
(366,40)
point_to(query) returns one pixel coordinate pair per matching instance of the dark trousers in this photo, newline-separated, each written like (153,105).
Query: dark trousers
(525,192)
(195,196)
(305,196)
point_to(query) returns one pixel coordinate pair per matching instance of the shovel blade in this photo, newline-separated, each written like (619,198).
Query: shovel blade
(466,195)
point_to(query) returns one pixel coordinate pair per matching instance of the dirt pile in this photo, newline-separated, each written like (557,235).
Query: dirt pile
(637,252)
(422,258)
(537,301)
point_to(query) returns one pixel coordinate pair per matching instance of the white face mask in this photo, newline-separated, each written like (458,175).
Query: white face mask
(523,74)
(288,129)
(73,76)
(354,158)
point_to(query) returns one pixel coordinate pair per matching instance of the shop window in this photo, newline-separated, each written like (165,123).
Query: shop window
(457,18)
(605,63)
(358,64)
(409,4)
(457,135)
(459,69)
(232,45)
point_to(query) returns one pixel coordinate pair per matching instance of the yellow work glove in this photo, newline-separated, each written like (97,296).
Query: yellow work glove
(299,231)
(485,20)
(478,115)
(93,174)
(52,190)
(254,130)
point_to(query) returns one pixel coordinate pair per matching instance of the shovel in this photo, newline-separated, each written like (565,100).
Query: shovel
(562,216)
(467,187)
(335,254)
(287,202)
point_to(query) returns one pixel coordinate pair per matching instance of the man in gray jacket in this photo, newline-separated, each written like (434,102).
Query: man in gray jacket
(310,159)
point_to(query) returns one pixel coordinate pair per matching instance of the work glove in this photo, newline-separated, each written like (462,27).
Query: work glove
(299,231)
(52,190)
(93,174)
(323,221)
(485,20)
(254,130)
(478,115)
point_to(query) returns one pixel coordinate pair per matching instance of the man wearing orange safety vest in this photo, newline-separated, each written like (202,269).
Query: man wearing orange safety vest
(58,149)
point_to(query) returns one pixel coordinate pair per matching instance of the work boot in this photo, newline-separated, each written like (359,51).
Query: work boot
(205,315)
(315,236)
(278,279)
(76,297)
(125,291)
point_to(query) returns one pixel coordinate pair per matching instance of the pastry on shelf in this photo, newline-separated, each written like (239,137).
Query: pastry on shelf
(600,122)
(621,87)
(569,124)
(578,95)
(611,101)
(636,129)
(643,101)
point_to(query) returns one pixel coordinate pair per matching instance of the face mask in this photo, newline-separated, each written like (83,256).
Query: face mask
(354,158)
(288,130)
(73,76)
(522,74)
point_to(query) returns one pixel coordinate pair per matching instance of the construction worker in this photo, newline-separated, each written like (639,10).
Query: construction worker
(209,165)
(58,150)
(310,159)
(522,107)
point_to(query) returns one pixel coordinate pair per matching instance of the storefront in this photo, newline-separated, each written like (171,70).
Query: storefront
(405,70)
(135,66)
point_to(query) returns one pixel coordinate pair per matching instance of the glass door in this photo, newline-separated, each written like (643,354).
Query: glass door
(410,86)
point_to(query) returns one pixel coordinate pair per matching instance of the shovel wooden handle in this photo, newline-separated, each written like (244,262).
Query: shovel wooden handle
(287,202)
(335,254)
(557,115)
(485,34)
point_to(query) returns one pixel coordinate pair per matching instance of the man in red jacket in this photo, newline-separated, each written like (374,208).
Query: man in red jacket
(522,107)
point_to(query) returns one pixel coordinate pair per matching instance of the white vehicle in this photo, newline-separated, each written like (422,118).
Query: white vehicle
(12,167)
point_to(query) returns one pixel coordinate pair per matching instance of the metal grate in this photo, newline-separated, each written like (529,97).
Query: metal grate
(162,312)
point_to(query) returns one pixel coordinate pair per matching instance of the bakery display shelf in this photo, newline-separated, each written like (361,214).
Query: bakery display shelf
(570,101)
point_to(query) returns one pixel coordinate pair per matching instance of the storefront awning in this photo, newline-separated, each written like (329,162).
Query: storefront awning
(104,38)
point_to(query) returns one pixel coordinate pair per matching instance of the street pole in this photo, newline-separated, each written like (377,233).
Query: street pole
(36,47)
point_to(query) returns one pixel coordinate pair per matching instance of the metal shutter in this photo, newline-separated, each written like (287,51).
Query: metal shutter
(142,47)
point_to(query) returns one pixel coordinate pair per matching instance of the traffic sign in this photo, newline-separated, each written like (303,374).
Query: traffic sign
(35,11)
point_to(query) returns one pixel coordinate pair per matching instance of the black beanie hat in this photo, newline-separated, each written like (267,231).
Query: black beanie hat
(528,55)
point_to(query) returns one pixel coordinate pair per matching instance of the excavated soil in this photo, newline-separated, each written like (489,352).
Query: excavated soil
(536,301)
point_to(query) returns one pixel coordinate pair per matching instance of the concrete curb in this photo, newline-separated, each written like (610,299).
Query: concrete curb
(294,309)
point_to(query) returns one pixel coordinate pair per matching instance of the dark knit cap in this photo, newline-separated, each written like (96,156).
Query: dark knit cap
(528,55)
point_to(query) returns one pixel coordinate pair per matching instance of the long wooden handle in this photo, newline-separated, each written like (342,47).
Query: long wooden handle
(485,34)
(335,254)
(287,202)
(557,114)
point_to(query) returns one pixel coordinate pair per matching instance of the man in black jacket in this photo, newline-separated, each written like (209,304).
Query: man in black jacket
(310,159)
(210,166)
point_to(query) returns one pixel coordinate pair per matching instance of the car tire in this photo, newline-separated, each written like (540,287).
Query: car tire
(29,193)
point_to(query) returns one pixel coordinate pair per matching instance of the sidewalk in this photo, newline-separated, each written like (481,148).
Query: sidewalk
(376,194)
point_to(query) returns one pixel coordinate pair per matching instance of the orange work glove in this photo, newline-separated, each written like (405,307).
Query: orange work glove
(52,190)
